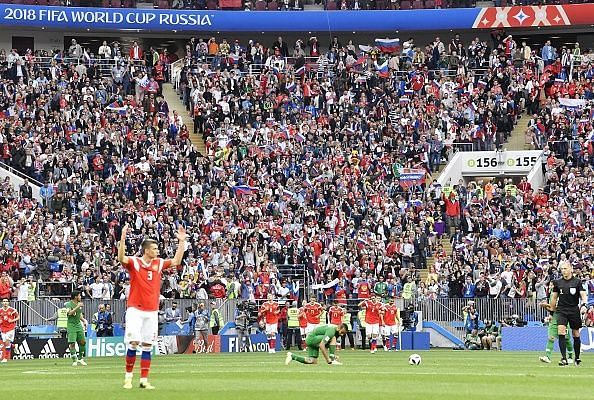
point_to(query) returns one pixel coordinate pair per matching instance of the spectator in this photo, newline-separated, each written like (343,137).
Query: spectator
(173,314)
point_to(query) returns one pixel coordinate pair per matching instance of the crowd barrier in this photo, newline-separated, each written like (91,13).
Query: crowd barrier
(535,339)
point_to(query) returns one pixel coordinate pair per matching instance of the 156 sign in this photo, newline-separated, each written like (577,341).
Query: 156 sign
(493,162)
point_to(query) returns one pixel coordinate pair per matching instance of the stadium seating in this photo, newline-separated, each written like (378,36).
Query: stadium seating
(297,179)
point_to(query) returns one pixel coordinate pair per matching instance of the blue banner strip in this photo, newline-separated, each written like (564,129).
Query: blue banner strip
(76,18)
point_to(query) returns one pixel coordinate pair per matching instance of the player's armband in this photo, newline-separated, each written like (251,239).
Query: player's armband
(326,339)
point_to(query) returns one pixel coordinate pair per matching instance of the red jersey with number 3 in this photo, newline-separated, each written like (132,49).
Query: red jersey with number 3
(336,314)
(6,316)
(372,312)
(313,312)
(390,314)
(145,282)
(270,311)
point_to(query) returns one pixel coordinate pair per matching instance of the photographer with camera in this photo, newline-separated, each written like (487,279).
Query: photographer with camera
(490,336)
(103,322)
(242,324)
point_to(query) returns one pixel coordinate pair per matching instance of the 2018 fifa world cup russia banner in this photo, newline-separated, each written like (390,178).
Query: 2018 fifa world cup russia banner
(75,18)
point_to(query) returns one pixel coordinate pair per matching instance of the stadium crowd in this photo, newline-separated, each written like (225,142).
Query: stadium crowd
(306,162)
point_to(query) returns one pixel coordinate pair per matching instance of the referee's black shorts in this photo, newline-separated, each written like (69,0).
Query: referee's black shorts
(572,317)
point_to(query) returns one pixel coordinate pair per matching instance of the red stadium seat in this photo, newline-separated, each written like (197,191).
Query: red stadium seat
(260,5)
(116,3)
(331,5)
(106,3)
(405,5)
(17,1)
(429,4)
(273,6)
(30,2)
(164,4)
(418,4)
(212,5)
(380,4)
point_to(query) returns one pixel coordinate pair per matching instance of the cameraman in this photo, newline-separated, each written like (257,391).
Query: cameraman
(471,317)
(242,323)
(103,322)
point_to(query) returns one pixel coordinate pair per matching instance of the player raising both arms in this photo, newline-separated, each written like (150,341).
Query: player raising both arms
(143,301)
(8,319)
(270,312)
(322,339)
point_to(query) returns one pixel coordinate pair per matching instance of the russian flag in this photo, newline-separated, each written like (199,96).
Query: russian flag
(116,108)
(481,84)
(409,92)
(299,137)
(559,81)
(244,189)
(388,45)
(404,100)
(300,71)
(291,86)
(436,85)
(361,60)
(307,183)
(234,58)
(382,70)
(287,192)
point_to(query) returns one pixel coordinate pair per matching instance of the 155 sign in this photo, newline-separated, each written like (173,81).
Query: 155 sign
(494,162)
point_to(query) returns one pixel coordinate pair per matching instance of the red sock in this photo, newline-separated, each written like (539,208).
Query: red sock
(273,344)
(145,363)
(130,360)
(145,366)
(395,342)
(373,345)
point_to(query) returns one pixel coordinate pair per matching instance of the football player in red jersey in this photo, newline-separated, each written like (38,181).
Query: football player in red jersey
(270,311)
(8,319)
(313,311)
(391,323)
(303,324)
(143,301)
(372,320)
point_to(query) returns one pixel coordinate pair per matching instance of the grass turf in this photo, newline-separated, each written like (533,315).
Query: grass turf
(443,375)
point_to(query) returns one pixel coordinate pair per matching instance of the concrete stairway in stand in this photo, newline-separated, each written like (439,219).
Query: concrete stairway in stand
(175,103)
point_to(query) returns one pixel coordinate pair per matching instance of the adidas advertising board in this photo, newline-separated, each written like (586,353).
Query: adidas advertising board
(31,348)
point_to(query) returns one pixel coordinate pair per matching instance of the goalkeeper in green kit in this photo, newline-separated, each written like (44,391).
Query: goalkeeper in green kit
(74,329)
(322,339)
(553,334)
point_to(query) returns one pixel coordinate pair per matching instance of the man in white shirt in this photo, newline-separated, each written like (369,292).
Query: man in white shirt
(98,289)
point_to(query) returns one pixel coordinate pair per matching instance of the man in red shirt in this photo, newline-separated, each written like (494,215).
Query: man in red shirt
(313,311)
(372,320)
(270,311)
(303,324)
(391,322)
(8,319)
(363,288)
(335,314)
(143,300)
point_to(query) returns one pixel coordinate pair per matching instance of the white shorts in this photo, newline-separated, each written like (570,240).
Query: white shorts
(141,326)
(8,336)
(372,329)
(310,327)
(302,331)
(271,329)
(388,330)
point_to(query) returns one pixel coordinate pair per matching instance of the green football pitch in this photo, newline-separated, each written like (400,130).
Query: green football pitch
(442,375)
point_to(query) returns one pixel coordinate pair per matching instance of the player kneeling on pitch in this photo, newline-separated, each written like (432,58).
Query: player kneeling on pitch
(322,339)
